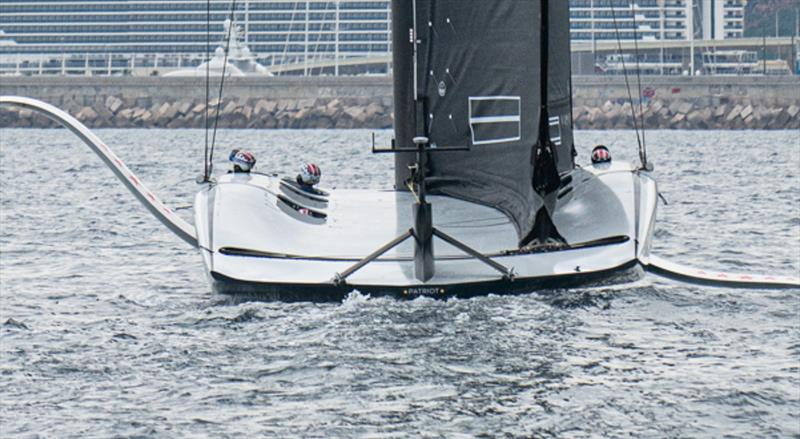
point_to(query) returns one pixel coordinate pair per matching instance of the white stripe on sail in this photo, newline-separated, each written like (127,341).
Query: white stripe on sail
(494,119)
(514,117)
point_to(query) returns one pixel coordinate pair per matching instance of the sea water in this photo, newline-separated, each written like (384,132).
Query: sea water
(108,326)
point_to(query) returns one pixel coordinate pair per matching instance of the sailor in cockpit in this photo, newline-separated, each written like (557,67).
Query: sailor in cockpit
(309,175)
(243,161)
(601,155)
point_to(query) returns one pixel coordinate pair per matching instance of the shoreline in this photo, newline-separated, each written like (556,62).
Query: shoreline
(599,102)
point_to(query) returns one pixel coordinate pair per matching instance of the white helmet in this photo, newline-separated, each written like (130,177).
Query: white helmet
(245,160)
(309,174)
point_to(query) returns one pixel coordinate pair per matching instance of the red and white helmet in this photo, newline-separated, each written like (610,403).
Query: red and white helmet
(245,160)
(600,154)
(309,174)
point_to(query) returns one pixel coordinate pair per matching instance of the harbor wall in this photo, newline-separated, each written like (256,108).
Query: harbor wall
(599,102)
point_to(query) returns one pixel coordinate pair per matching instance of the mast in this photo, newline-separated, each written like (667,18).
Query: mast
(544,127)
(545,179)
(409,130)
(404,86)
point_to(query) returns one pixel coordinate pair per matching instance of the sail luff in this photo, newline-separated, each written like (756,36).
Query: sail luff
(559,83)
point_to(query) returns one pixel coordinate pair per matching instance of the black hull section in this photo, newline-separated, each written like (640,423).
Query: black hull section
(277,292)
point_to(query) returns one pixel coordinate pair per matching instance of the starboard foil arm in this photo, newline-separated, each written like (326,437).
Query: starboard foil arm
(167,216)
(662,267)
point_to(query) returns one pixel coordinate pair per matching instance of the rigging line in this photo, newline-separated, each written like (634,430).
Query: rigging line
(317,56)
(288,37)
(643,149)
(625,72)
(206,170)
(221,84)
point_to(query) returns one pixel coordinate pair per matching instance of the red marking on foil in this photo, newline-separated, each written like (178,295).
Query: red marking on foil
(116,160)
(701,272)
(745,277)
(769,278)
(103,145)
(151,197)
(722,276)
(134,180)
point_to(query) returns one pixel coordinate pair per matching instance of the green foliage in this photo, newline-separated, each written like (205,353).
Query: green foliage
(760,17)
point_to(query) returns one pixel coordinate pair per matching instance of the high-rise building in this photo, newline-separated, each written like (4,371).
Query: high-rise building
(594,20)
(120,34)
(277,31)
(722,19)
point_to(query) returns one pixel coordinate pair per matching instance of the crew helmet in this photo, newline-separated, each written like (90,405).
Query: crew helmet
(245,160)
(309,174)
(600,154)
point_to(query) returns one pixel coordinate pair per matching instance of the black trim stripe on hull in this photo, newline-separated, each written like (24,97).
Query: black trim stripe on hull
(316,292)
(612,240)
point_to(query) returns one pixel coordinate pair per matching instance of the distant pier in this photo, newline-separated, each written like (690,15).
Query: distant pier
(599,102)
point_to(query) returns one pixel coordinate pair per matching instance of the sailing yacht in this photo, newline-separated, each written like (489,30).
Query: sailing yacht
(487,195)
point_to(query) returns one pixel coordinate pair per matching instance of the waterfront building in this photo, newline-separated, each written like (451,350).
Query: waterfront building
(722,19)
(293,36)
(276,31)
(652,20)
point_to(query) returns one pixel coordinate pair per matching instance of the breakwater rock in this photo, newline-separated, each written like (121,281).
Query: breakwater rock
(687,115)
(599,102)
(376,113)
(114,112)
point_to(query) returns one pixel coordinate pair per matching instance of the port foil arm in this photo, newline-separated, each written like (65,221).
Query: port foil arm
(167,216)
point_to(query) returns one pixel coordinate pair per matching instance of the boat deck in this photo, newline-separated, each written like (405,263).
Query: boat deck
(355,223)
(259,232)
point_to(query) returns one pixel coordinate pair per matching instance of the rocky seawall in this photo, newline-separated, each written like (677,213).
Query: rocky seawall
(688,115)
(323,113)
(344,103)
(373,113)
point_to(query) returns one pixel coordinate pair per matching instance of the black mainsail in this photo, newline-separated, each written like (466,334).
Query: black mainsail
(472,73)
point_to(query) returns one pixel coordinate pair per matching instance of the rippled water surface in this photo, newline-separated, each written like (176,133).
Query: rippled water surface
(109,327)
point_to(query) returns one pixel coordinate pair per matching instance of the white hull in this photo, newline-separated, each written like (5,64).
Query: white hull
(252,242)
(288,259)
